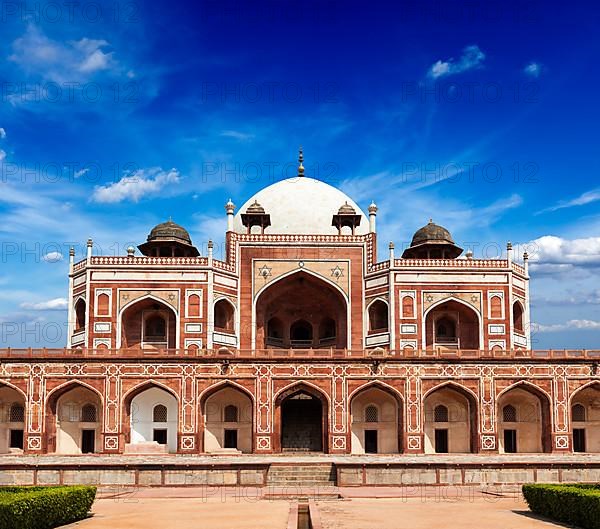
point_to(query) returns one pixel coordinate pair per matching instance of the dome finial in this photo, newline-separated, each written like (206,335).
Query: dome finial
(300,160)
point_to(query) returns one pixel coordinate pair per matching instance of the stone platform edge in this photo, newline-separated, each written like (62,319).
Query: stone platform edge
(391,474)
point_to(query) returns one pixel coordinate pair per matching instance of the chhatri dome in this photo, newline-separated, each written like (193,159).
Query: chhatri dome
(300,205)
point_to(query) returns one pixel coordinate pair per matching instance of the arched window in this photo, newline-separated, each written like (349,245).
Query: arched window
(496,307)
(17,413)
(224,315)
(103,305)
(509,413)
(193,348)
(327,330)
(518,316)
(440,413)
(80,314)
(194,306)
(155,328)
(408,307)
(378,316)
(578,413)
(101,346)
(88,413)
(231,413)
(159,413)
(301,333)
(408,350)
(371,413)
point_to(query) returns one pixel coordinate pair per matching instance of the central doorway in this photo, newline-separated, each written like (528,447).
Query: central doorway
(302,423)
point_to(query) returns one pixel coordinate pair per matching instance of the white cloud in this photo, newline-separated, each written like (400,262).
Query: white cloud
(2,133)
(236,135)
(472,57)
(143,182)
(81,172)
(585,198)
(2,155)
(580,325)
(51,304)
(591,297)
(533,69)
(53,257)
(558,254)
(57,61)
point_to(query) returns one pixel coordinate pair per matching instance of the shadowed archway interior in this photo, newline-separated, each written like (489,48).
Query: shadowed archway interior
(301,311)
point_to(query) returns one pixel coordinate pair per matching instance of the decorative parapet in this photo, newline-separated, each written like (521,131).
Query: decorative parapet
(224,353)
(452,263)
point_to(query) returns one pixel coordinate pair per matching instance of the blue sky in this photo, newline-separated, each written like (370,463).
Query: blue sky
(115,116)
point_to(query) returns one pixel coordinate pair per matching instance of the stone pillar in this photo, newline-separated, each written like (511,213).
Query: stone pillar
(264,441)
(34,442)
(488,439)
(561,433)
(338,442)
(188,439)
(414,440)
(111,434)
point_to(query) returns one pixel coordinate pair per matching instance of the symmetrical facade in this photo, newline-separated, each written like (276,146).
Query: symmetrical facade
(299,340)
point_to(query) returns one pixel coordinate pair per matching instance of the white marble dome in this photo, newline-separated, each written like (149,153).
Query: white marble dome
(301,205)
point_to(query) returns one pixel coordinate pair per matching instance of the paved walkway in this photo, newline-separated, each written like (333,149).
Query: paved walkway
(430,513)
(232,508)
(186,513)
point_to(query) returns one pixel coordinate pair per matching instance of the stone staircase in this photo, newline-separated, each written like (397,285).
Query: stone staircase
(302,480)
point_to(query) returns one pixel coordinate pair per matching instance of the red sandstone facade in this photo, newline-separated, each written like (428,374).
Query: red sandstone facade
(301,325)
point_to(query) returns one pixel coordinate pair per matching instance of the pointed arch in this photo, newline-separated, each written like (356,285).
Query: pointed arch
(211,390)
(398,400)
(317,298)
(473,409)
(54,437)
(594,383)
(459,301)
(283,421)
(143,430)
(518,315)
(545,402)
(528,386)
(213,403)
(299,271)
(133,392)
(141,299)
(12,386)
(225,316)
(378,311)
(53,396)
(298,386)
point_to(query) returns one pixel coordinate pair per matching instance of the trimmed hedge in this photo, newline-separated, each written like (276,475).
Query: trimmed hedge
(571,503)
(44,507)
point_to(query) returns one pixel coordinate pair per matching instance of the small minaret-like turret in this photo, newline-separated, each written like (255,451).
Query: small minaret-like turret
(229,208)
(90,245)
(372,217)
(509,253)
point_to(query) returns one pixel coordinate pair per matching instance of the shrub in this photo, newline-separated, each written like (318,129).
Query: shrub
(570,503)
(44,507)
